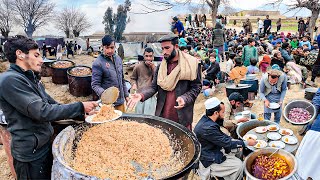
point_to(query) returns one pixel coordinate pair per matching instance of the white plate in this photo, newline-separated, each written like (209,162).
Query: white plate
(261,129)
(273,130)
(249,136)
(274,106)
(261,144)
(273,136)
(277,144)
(89,118)
(285,132)
(238,117)
(289,140)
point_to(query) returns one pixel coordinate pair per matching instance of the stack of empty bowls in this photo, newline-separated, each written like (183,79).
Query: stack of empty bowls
(60,68)
(79,79)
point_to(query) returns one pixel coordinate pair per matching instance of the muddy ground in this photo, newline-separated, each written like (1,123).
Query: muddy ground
(62,95)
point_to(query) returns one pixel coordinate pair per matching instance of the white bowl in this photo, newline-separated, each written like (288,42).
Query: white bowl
(274,106)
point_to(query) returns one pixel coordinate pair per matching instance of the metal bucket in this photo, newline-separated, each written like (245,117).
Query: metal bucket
(243,90)
(309,93)
(59,75)
(79,85)
(300,104)
(46,69)
(245,127)
(187,140)
(254,82)
(290,159)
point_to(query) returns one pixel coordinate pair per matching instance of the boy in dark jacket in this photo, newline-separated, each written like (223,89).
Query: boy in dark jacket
(29,110)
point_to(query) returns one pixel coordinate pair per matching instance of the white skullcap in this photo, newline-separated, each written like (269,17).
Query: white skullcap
(212,103)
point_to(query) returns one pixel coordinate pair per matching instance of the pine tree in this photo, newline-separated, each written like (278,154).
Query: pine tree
(108,21)
(115,24)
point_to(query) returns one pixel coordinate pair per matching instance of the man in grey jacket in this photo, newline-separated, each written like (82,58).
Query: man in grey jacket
(29,110)
(107,71)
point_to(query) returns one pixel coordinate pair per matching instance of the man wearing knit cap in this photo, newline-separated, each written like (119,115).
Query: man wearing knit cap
(177,81)
(216,158)
(273,88)
(107,71)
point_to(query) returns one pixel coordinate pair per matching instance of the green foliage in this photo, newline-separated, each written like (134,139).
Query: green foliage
(115,24)
(108,21)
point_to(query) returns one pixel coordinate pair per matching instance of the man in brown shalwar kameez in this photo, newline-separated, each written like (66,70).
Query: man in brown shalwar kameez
(178,83)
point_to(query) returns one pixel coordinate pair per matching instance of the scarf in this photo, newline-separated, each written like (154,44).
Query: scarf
(185,70)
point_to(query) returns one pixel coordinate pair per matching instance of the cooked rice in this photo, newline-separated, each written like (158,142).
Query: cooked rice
(125,150)
(105,113)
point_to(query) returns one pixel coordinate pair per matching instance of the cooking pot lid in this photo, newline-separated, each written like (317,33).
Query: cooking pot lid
(240,86)
(311,90)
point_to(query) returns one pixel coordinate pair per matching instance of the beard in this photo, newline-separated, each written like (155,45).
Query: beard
(234,106)
(172,55)
(219,121)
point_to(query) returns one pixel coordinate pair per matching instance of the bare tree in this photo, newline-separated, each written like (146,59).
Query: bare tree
(81,23)
(312,5)
(164,5)
(6,18)
(199,8)
(63,21)
(72,20)
(228,11)
(33,14)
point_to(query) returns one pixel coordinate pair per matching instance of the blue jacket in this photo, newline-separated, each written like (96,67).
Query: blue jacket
(212,140)
(285,55)
(106,73)
(316,101)
(179,26)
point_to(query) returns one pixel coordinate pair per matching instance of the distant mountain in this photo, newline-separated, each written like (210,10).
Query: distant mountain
(284,10)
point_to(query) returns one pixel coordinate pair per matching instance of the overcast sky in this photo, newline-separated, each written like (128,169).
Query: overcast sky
(156,22)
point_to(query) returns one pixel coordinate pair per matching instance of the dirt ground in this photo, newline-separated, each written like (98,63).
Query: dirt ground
(62,95)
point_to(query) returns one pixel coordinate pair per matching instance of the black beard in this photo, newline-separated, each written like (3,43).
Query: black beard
(219,121)
(234,106)
(172,55)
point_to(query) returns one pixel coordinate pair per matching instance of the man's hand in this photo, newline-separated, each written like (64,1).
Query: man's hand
(180,102)
(89,106)
(149,63)
(134,99)
(134,88)
(127,99)
(244,119)
(251,142)
(266,103)
(280,103)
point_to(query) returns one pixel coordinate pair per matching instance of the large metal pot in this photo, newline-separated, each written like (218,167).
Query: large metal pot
(300,104)
(309,93)
(243,128)
(65,141)
(46,70)
(253,82)
(59,75)
(79,85)
(290,159)
(243,89)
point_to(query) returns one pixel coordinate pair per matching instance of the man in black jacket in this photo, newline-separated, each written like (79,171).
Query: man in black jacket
(267,25)
(216,158)
(29,110)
